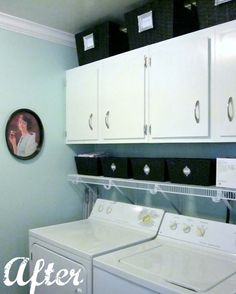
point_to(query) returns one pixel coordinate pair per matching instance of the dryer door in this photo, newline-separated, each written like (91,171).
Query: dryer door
(60,263)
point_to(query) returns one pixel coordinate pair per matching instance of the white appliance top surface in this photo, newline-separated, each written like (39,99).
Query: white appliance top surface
(178,260)
(197,271)
(103,232)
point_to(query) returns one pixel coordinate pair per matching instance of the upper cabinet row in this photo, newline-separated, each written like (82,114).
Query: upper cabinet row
(179,90)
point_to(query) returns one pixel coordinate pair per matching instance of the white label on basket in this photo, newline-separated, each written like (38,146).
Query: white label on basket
(145,22)
(113,167)
(218,2)
(187,171)
(146,169)
(88,42)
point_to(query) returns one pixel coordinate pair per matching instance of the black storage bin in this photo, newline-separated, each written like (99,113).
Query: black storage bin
(211,14)
(150,169)
(108,41)
(116,167)
(88,166)
(192,171)
(170,19)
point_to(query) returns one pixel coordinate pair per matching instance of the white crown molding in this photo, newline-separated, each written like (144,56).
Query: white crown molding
(36,30)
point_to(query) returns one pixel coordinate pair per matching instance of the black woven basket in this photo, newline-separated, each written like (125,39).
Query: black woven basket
(149,169)
(88,166)
(210,14)
(116,167)
(108,39)
(192,171)
(170,19)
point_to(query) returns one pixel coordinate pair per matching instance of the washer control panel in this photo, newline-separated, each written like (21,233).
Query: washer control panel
(135,216)
(203,232)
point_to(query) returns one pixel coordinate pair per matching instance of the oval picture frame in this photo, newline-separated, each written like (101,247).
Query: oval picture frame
(24,134)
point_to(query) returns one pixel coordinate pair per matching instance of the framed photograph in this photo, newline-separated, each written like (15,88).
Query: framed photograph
(24,134)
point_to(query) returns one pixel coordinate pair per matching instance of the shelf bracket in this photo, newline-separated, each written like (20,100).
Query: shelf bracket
(112,184)
(218,197)
(108,186)
(87,186)
(228,205)
(157,189)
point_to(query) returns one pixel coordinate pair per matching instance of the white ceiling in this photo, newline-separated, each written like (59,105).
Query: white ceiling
(71,16)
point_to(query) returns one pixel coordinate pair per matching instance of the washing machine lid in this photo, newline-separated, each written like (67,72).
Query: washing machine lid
(189,255)
(112,225)
(182,266)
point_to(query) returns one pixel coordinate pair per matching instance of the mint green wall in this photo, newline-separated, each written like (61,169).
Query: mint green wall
(34,193)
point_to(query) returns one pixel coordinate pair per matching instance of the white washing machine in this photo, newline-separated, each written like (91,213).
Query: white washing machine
(189,255)
(72,246)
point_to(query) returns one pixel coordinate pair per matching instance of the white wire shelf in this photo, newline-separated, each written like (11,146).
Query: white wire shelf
(215,193)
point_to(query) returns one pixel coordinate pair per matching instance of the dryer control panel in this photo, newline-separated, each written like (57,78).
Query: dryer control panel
(199,231)
(143,218)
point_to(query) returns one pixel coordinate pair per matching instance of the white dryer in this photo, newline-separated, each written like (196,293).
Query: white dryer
(189,255)
(72,246)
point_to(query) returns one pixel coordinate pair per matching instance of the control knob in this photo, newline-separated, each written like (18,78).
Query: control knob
(173,226)
(201,231)
(186,229)
(109,210)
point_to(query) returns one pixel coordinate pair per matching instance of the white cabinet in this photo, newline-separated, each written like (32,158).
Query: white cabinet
(178,87)
(185,91)
(224,94)
(122,96)
(106,100)
(82,104)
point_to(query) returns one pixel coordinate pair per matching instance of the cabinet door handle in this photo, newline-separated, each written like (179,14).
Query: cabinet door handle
(145,129)
(197,112)
(90,121)
(230,109)
(150,129)
(107,119)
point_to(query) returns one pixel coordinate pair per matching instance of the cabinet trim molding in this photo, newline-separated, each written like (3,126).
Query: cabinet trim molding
(29,28)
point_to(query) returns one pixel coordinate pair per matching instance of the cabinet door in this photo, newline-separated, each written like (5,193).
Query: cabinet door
(122,96)
(224,92)
(179,95)
(82,104)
